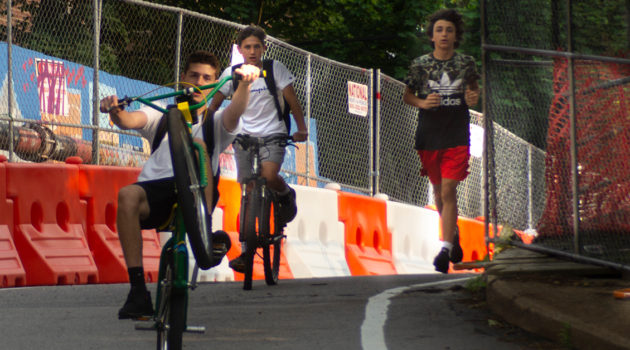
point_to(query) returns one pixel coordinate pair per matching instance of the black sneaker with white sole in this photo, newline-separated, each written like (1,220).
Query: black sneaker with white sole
(441,261)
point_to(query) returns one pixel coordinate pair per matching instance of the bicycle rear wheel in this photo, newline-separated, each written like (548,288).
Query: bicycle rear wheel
(190,195)
(177,320)
(271,241)
(250,213)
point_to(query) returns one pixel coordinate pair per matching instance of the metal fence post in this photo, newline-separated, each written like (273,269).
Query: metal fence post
(484,110)
(95,92)
(308,92)
(573,136)
(178,46)
(372,133)
(530,186)
(10,77)
(376,102)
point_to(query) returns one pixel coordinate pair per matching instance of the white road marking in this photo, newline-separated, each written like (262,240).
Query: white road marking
(372,334)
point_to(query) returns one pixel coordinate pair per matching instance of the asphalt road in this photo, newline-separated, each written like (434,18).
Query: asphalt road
(380,312)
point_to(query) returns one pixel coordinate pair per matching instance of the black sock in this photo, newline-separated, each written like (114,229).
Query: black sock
(136,278)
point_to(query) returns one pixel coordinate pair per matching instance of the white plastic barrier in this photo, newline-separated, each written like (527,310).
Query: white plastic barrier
(315,245)
(415,237)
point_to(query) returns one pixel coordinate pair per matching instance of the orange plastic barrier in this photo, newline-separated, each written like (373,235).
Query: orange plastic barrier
(368,241)
(230,203)
(98,188)
(472,238)
(12,273)
(48,229)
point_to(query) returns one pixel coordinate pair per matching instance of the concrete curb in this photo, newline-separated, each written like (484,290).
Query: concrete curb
(564,305)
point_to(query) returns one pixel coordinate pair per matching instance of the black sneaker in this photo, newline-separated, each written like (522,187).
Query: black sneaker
(286,206)
(138,305)
(441,261)
(238,264)
(457,254)
(221,244)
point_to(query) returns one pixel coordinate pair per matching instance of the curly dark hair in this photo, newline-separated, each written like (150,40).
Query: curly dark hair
(447,15)
(251,30)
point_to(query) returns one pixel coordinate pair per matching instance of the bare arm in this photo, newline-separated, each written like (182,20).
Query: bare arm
(471,95)
(298,115)
(123,119)
(240,98)
(432,100)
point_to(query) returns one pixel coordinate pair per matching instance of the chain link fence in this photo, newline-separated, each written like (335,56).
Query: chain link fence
(559,106)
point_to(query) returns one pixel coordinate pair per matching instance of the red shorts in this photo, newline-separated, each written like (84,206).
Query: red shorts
(450,163)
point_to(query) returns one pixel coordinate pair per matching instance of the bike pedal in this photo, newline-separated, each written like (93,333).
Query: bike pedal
(145,325)
(195,329)
(277,238)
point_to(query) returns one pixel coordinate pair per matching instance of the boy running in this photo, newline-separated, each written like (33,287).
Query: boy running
(443,85)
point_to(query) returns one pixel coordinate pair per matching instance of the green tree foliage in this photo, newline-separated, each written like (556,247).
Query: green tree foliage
(370,34)
(601,27)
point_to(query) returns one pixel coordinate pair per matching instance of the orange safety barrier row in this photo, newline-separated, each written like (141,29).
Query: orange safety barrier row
(48,224)
(58,226)
(368,240)
(12,272)
(98,189)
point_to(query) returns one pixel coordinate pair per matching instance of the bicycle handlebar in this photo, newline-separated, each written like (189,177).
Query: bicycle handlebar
(126,101)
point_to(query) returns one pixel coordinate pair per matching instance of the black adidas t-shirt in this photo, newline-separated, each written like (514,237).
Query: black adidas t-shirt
(446,126)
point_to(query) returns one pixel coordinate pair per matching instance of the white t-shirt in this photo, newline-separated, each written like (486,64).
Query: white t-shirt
(261,116)
(159,164)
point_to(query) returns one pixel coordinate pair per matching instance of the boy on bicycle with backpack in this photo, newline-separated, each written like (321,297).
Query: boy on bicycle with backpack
(147,203)
(266,116)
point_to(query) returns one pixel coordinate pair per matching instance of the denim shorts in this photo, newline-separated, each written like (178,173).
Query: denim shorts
(270,153)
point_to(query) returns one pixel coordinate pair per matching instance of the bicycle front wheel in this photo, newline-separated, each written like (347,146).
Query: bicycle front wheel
(250,214)
(271,239)
(190,195)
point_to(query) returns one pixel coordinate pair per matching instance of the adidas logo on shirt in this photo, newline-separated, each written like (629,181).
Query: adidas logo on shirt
(447,88)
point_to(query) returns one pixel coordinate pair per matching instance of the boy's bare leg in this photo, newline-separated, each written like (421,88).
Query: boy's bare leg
(133,205)
(132,202)
(449,209)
